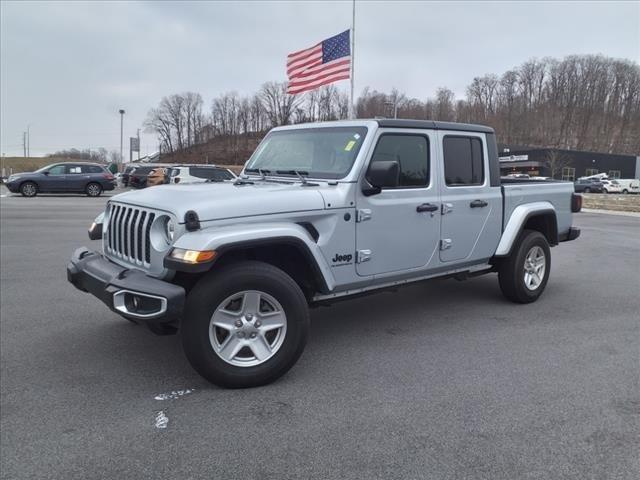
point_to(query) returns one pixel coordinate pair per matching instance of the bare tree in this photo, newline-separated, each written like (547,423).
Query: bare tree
(278,105)
(556,161)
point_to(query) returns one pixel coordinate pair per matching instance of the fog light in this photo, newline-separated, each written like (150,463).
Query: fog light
(192,256)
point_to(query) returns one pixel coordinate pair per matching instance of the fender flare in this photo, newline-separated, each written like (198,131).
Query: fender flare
(519,217)
(237,237)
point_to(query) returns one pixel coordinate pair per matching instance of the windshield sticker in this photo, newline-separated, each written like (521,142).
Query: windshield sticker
(356,136)
(349,145)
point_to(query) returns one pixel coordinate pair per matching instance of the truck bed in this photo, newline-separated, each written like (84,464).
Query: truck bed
(558,193)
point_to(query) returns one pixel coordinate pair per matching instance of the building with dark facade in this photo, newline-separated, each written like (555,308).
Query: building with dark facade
(566,164)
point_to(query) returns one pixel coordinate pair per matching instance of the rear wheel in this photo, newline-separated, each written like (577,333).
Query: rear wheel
(625,191)
(245,325)
(587,190)
(93,189)
(524,274)
(29,189)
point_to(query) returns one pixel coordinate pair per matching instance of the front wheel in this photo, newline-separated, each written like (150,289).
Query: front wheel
(29,189)
(625,191)
(245,325)
(524,274)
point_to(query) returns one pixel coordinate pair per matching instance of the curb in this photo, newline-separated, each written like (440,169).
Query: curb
(611,212)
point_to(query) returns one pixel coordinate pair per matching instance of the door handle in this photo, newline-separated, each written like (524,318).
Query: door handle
(427,207)
(478,204)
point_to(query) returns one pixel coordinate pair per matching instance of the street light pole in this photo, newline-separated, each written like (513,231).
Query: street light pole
(121,111)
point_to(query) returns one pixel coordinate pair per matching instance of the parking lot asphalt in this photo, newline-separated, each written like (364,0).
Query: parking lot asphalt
(443,380)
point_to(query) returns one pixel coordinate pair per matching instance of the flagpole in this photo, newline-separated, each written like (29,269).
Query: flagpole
(353,56)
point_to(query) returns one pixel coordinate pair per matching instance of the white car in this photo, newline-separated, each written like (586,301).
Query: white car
(199,173)
(611,186)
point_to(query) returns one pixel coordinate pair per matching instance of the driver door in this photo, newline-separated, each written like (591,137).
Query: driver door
(54,179)
(398,229)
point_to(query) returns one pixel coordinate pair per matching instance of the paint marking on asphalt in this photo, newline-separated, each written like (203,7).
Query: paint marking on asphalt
(161,420)
(174,394)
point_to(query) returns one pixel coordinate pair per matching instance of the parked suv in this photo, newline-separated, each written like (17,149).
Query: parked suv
(588,185)
(199,173)
(90,178)
(323,211)
(138,177)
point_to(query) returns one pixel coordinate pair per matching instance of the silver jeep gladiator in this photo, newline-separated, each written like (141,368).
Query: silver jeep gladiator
(322,211)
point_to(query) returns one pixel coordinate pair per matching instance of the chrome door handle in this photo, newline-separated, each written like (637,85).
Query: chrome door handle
(478,204)
(427,207)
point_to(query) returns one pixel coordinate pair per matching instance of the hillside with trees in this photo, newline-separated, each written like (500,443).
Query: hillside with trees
(584,102)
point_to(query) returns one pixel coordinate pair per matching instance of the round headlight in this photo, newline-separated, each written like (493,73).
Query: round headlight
(162,233)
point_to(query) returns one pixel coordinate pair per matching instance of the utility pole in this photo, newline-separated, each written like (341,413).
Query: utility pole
(138,144)
(24,144)
(121,111)
(29,140)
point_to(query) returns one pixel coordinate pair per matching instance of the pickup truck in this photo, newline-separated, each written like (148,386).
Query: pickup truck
(321,212)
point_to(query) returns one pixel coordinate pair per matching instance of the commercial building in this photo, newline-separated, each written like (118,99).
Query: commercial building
(566,164)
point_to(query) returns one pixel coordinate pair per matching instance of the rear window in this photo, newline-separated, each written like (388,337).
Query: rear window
(142,170)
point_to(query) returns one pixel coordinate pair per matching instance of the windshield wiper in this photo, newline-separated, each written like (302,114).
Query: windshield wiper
(301,175)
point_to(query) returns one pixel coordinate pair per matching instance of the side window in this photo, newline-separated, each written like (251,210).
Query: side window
(221,174)
(411,152)
(57,170)
(91,169)
(463,161)
(74,169)
(175,172)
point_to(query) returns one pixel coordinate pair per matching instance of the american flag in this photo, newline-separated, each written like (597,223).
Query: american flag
(324,63)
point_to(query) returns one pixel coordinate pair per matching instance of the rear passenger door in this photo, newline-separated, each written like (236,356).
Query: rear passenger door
(77,177)
(471,212)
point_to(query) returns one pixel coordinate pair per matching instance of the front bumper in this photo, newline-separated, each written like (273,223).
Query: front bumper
(128,292)
(13,187)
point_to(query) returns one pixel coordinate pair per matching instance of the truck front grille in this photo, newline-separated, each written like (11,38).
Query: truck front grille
(127,235)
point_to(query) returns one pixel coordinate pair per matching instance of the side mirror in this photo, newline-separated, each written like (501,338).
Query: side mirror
(383,174)
(46,172)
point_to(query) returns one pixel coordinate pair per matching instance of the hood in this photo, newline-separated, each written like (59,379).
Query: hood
(214,201)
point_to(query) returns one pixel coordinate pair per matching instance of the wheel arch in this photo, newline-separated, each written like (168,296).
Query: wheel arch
(289,247)
(538,216)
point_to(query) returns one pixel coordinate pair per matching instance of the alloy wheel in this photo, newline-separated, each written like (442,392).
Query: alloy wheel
(535,266)
(247,328)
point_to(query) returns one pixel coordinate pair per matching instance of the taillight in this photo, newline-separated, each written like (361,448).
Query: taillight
(576,202)
(108,176)
(177,180)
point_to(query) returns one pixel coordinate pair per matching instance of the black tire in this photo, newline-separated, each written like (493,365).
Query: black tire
(625,191)
(93,189)
(211,291)
(29,189)
(587,190)
(511,271)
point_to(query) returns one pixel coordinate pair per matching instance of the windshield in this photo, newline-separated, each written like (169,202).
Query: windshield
(314,152)
(44,169)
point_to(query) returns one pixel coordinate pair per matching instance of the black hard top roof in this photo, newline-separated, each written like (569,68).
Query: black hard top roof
(431,124)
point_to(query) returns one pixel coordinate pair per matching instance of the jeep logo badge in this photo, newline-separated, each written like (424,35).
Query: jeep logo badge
(346,258)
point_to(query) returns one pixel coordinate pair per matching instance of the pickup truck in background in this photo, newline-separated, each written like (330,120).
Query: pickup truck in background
(322,212)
